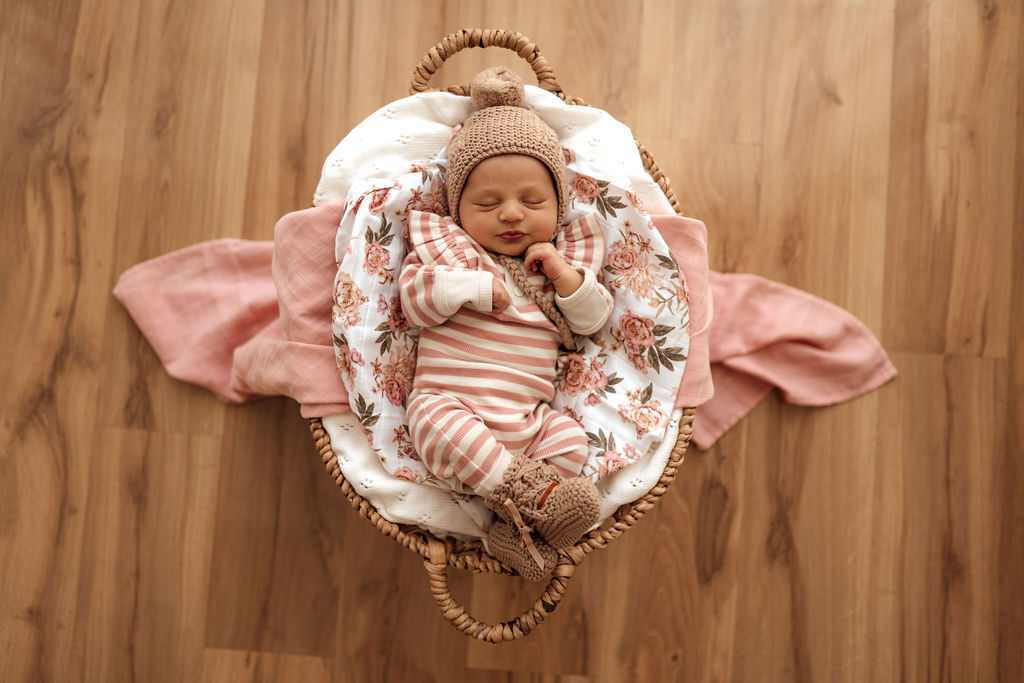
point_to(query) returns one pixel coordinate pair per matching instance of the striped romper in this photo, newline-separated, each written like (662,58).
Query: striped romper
(484,381)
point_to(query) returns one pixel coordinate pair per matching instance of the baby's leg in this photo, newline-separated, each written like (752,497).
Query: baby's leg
(455,444)
(544,484)
(560,442)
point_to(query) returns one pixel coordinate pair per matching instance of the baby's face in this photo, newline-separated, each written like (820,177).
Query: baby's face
(508,203)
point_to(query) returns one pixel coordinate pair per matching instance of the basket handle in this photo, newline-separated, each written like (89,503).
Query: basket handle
(436,564)
(477,37)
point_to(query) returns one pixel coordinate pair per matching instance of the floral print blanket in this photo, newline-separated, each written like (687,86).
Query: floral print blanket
(620,384)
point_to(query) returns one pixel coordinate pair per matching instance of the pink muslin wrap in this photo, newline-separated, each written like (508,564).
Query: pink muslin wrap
(253,319)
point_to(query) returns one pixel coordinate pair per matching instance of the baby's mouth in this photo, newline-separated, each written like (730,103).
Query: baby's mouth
(512,236)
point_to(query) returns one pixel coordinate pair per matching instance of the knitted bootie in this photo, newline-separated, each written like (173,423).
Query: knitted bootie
(506,544)
(560,510)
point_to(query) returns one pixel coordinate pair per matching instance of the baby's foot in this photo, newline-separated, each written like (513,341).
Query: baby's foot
(560,510)
(507,545)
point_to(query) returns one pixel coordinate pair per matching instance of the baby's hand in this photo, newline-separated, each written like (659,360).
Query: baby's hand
(542,256)
(499,297)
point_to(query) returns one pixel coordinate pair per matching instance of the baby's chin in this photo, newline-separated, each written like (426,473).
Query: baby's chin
(515,249)
(507,251)
(519,253)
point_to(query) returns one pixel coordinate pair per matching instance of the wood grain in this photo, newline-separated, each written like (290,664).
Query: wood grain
(871,153)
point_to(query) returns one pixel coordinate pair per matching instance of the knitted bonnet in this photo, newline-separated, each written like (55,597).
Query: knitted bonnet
(501,125)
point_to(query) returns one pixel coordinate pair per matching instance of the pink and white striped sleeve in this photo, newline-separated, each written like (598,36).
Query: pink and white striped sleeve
(437,278)
(581,244)
(432,294)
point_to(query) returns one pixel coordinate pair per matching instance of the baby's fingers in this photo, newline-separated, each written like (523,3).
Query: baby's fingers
(534,258)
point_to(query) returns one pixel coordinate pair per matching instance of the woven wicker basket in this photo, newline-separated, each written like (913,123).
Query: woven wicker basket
(438,555)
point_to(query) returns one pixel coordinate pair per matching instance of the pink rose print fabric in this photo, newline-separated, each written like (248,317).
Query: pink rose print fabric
(619,384)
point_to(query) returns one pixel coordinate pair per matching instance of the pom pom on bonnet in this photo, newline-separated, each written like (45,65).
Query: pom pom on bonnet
(501,125)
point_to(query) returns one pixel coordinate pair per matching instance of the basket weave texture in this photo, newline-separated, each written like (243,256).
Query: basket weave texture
(440,554)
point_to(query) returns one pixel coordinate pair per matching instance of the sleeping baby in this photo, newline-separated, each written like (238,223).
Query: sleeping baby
(479,413)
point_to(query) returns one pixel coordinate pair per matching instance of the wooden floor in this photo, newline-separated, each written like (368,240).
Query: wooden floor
(870,152)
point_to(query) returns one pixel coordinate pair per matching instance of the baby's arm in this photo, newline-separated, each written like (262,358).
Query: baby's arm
(585,302)
(431,294)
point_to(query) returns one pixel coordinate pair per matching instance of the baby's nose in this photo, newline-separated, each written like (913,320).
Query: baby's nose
(511,211)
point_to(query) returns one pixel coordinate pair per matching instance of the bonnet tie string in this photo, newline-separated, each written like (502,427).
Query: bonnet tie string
(515,268)
(524,531)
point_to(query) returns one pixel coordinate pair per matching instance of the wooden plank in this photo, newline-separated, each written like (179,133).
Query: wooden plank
(273,581)
(52,301)
(129,582)
(1010,617)
(954,118)
(298,109)
(947,456)
(826,125)
(237,666)
(715,55)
